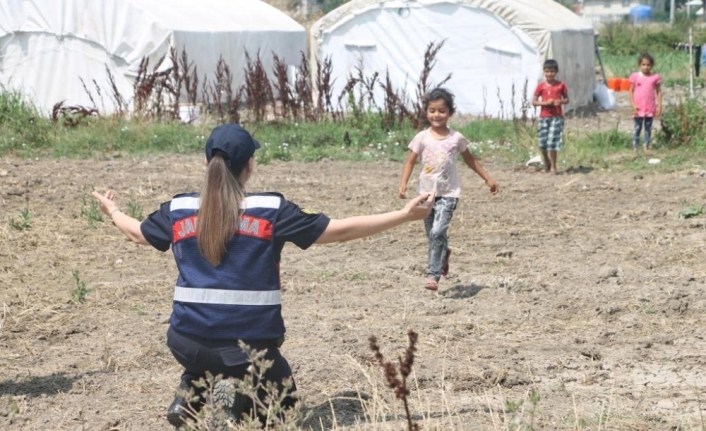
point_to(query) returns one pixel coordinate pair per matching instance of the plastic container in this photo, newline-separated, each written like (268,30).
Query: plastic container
(604,96)
(613,84)
(624,85)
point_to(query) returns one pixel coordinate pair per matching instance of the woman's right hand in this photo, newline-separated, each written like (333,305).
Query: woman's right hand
(419,207)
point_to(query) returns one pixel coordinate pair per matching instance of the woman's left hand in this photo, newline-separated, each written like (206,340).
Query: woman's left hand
(105,202)
(419,207)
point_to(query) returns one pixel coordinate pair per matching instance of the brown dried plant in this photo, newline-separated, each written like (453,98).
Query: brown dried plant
(398,382)
(175,80)
(258,91)
(149,89)
(118,100)
(191,78)
(87,91)
(281,84)
(423,85)
(394,109)
(218,96)
(303,103)
(71,115)
(324,87)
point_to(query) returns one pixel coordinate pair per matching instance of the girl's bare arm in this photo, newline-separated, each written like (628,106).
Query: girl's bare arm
(406,173)
(476,166)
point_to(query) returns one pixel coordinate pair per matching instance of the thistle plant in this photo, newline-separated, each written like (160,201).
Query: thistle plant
(395,382)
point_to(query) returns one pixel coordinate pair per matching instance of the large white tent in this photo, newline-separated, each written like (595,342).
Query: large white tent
(48,46)
(493,48)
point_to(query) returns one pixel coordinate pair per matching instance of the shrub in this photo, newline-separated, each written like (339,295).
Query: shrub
(21,125)
(622,38)
(683,123)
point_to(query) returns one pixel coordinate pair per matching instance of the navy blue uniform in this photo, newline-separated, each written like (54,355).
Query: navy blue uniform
(215,307)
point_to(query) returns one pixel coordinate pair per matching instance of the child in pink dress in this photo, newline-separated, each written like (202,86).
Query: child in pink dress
(645,98)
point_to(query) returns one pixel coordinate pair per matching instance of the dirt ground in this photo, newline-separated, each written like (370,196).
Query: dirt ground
(585,287)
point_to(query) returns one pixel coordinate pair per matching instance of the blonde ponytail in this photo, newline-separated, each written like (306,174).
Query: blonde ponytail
(219,212)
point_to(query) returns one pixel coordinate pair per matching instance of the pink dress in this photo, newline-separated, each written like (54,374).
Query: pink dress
(645,93)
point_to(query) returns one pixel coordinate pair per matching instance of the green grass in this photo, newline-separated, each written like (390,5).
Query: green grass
(79,293)
(24,222)
(360,137)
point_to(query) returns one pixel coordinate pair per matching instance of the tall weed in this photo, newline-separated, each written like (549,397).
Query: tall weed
(683,124)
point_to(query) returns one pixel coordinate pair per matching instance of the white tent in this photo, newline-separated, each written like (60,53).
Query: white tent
(46,46)
(493,48)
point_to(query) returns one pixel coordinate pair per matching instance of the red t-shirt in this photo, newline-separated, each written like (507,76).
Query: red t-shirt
(554,91)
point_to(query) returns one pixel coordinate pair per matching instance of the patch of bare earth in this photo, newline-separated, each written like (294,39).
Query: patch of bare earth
(586,288)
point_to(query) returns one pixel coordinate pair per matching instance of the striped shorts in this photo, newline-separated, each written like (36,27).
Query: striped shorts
(551,130)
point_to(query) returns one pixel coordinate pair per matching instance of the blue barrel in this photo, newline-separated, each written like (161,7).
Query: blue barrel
(640,14)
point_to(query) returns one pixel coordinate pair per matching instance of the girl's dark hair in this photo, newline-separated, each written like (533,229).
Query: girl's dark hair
(645,56)
(219,212)
(551,64)
(440,94)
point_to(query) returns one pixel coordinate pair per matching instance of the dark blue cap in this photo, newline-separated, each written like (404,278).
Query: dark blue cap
(235,144)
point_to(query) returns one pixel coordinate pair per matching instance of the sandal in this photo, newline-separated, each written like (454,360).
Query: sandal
(445,268)
(432,285)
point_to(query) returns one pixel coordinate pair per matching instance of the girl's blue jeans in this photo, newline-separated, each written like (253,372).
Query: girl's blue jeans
(436,226)
(639,121)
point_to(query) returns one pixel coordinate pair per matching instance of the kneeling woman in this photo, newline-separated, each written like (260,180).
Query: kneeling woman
(227,245)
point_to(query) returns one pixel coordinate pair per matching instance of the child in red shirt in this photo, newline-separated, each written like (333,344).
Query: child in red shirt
(550,95)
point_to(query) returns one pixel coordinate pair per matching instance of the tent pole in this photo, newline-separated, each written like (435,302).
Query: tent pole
(600,61)
(691,62)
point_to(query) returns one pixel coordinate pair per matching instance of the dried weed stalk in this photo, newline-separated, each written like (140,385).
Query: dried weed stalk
(258,90)
(226,106)
(175,80)
(156,93)
(71,116)
(282,86)
(118,100)
(191,78)
(303,104)
(394,109)
(391,373)
(87,91)
(423,85)
(324,87)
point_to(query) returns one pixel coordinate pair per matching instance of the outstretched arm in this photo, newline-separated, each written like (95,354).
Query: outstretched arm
(475,165)
(406,173)
(361,226)
(129,226)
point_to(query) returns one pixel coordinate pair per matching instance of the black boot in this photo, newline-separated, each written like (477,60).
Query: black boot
(180,410)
